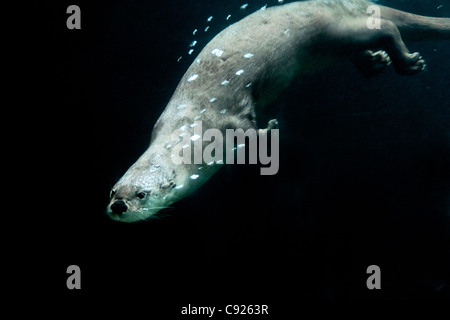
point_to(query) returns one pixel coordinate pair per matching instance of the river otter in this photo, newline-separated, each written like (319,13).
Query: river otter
(246,66)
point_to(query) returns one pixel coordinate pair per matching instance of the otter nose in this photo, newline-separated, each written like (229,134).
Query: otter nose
(119,207)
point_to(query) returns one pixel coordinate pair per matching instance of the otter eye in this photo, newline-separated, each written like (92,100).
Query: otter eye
(141,195)
(113,192)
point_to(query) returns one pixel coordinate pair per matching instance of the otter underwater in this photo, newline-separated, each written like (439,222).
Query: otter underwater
(241,71)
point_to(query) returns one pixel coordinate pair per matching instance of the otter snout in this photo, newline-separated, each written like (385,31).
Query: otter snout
(119,207)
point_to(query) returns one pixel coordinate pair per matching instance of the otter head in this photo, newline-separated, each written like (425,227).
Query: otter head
(146,188)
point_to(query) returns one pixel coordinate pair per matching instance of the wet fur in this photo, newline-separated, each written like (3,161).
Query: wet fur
(286,42)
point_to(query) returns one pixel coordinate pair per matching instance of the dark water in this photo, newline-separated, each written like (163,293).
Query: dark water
(364,172)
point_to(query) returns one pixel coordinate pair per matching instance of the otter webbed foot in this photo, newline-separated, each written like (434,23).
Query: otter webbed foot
(411,64)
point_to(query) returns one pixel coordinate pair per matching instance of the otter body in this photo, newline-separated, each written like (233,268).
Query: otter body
(245,67)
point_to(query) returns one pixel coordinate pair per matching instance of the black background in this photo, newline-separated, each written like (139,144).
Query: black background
(364,171)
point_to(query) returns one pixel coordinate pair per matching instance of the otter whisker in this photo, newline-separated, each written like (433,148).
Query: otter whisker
(159,214)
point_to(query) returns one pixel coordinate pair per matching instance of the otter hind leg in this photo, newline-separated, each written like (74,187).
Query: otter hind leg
(355,36)
(370,63)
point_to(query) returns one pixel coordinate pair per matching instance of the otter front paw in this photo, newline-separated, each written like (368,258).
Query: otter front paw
(371,63)
(272,124)
(414,63)
(380,60)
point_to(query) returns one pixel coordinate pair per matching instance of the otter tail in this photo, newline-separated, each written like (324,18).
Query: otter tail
(418,28)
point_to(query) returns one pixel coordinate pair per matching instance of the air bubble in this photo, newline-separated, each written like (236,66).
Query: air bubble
(178,140)
(244,6)
(195,31)
(238,73)
(209,19)
(194,176)
(193,77)
(206,29)
(179,59)
(223,111)
(217,52)
(190,51)
(203,110)
(248,55)
(264,8)
(212,100)
(228,17)
(225,82)
(193,43)
(248,85)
